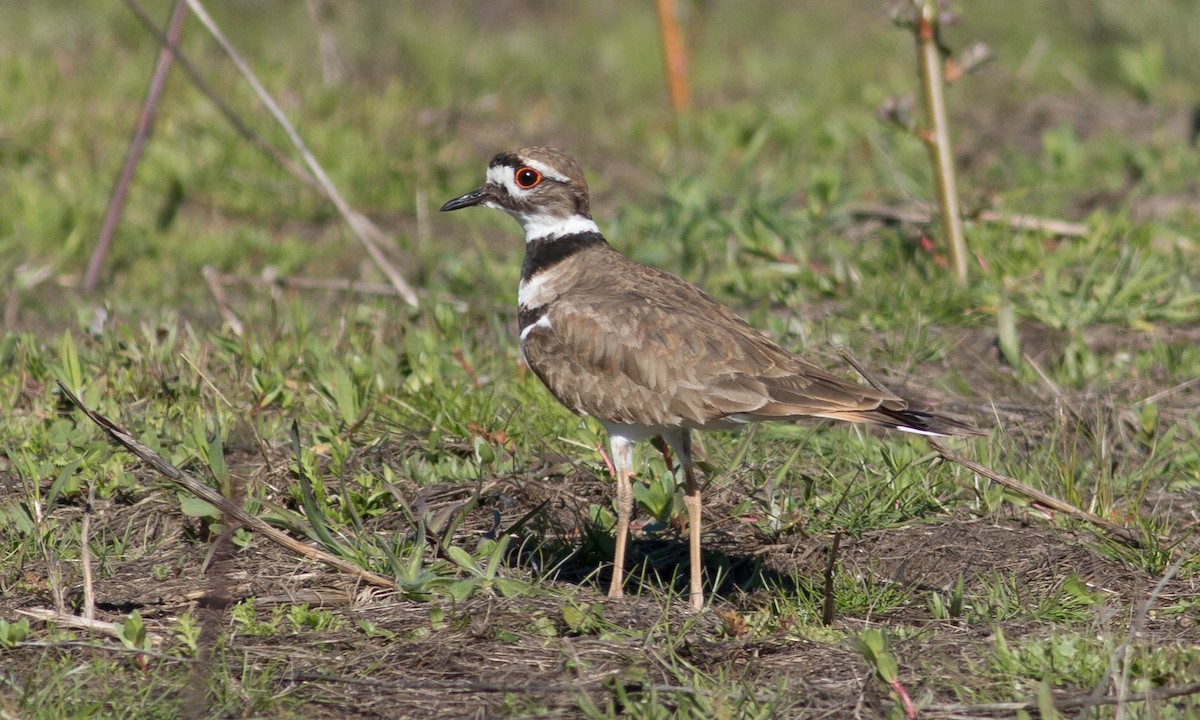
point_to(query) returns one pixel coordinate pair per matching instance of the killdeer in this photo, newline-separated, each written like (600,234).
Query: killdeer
(647,354)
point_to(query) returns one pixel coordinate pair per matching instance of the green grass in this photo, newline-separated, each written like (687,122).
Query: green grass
(428,456)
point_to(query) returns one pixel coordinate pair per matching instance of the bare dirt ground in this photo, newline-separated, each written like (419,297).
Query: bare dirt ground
(485,658)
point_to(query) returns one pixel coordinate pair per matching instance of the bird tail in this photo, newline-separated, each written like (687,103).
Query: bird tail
(919,422)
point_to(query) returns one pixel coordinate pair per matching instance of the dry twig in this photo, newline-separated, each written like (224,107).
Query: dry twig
(924,24)
(359,225)
(1060,703)
(214,288)
(226,506)
(116,201)
(270,279)
(923,215)
(1129,536)
(66,619)
(364,229)
(1126,535)
(85,554)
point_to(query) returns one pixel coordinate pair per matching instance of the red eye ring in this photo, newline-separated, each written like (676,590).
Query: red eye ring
(526,177)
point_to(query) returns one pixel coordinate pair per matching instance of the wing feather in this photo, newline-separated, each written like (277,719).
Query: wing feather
(628,343)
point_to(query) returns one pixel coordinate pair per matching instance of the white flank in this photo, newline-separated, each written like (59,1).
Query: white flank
(531,293)
(630,433)
(542,322)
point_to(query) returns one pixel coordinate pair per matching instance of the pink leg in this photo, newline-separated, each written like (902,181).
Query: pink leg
(607,463)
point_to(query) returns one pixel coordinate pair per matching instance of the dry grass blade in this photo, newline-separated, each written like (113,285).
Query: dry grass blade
(1129,536)
(81,623)
(1118,657)
(1061,703)
(920,214)
(1126,535)
(362,228)
(209,274)
(937,139)
(230,508)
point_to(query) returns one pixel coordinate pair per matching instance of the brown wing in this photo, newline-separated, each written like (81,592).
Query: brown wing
(630,344)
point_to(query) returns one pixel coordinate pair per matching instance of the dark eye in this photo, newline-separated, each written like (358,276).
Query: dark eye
(527,177)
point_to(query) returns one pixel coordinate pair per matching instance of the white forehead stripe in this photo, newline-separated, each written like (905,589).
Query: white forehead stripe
(503,176)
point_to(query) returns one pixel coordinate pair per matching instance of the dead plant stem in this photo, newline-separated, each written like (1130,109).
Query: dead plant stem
(937,139)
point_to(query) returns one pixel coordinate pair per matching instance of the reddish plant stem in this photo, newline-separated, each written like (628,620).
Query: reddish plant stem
(116,201)
(674,55)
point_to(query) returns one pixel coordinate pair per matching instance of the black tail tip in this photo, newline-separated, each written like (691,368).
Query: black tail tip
(926,423)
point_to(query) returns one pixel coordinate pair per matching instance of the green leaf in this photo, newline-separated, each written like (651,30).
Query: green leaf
(198,508)
(462,589)
(70,370)
(437,617)
(497,555)
(888,668)
(312,509)
(463,559)
(1046,701)
(13,633)
(344,395)
(872,643)
(132,632)
(574,617)
(510,587)
(1006,324)
(67,481)
(544,626)
(485,455)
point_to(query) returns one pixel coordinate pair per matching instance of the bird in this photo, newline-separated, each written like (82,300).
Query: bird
(647,354)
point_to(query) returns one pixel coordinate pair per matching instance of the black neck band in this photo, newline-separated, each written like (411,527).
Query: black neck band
(545,253)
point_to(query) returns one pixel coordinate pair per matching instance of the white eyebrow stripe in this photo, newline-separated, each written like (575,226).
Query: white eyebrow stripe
(503,174)
(546,170)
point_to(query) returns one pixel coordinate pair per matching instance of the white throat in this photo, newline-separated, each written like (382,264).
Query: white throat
(539,226)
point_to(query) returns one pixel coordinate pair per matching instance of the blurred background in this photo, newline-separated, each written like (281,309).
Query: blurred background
(236,311)
(1085,107)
